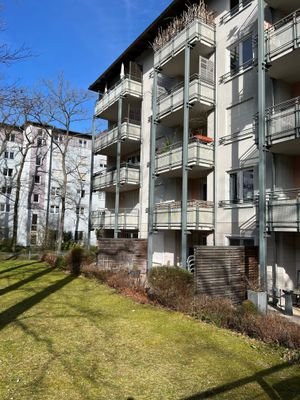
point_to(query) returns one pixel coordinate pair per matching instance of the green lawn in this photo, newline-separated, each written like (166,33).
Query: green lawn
(65,338)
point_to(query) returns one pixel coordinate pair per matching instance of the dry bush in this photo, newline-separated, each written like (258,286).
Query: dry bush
(171,287)
(50,258)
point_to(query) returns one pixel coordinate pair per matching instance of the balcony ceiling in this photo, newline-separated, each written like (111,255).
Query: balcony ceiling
(286,67)
(284,5)
(289,147)
(196,172)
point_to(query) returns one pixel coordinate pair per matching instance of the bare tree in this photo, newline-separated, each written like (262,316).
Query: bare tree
(62,106)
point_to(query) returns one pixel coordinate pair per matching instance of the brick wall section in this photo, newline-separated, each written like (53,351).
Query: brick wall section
(122,253)
(225,271)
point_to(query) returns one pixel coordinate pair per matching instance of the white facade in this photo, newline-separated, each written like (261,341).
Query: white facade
(222,153)
(42,183)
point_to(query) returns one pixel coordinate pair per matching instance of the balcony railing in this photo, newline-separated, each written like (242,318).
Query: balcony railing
(201,90)
(283,122)
(126,86)
(283,36)
(129,131)
(197,30)
(200,215)
(170,157)
(129,174)
(283,210)
(105,219)
(235,10)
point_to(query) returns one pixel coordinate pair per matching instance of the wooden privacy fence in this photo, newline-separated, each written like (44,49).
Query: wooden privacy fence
(225,271)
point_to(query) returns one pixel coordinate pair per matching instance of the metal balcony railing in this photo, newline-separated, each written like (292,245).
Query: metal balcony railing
(197,30)
(283,210)
(129,85)
(170,156)
(235,10)
(200,215)
(283,36)
(129,174)
(130,130)
(283,121)
(201,89)
(105,219)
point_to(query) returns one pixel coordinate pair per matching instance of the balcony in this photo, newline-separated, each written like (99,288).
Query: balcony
(283,211)
(287,6)
(282,48)
(129,179)
(105,219)
(200,215)
(106,107)
(201,91)
(283,126)
(106,142)
(198,32)
(200,158)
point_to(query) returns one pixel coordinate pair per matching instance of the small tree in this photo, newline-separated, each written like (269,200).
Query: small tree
(62,106)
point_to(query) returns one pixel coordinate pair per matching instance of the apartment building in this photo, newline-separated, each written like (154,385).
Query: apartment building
(183,163)
(31,159)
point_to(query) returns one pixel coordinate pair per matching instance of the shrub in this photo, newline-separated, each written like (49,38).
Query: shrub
(74,259)
(172,287)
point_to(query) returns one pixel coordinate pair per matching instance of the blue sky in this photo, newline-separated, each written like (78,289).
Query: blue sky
(79,37)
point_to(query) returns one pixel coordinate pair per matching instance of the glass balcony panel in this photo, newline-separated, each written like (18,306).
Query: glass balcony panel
(129,131)
(199,215)
(105,219)
(129,175)
(196,31)
(124,87)
(199,154)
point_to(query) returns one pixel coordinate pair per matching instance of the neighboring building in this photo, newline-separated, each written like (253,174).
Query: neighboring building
(193,96)
(42,181)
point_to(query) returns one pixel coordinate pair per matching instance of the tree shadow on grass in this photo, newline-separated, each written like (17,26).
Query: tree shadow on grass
(18,266)
(281,390)
(25,281)
(12,313)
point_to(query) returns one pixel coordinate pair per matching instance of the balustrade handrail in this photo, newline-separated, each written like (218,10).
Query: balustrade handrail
(112,169)
(127,211)
(113,87)
(180,85)
(178,204)
(178,145)
(284,194)
(282,106)
(283,21)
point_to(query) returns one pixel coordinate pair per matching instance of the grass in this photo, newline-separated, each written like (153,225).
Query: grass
(71,338)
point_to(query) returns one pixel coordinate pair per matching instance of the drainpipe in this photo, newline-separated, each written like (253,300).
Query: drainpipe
(215,186)
(261,147)
(185,143)
(117,198)
(152,171)
(91,182)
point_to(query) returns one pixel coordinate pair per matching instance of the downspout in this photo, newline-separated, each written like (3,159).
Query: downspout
(117,198)
(261,148)
(91,183)
(215,147)
(152,171)
(185,143)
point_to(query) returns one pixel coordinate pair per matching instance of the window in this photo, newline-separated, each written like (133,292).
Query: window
(39,141)
(79,210)
(54,209)
(241,186)
(55,191)
(78,235)
(81,193)
(37,179)
(38,160)
(9,154)
(6,189)
(241,55)
(11,137)
(34,222)
(35,198)
(237,5)
(7,171)
(33,239)
(82,143)
(4,207)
